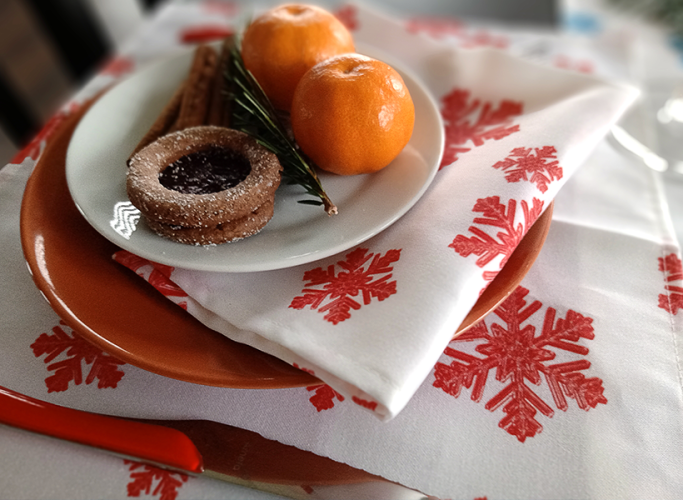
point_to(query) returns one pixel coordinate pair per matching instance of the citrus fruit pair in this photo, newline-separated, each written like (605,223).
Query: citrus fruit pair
(350,114)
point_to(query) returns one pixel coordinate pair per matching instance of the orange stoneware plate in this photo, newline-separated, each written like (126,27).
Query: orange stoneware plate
(114,309)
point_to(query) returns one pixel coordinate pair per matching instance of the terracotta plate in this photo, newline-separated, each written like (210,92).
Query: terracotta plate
(127,318)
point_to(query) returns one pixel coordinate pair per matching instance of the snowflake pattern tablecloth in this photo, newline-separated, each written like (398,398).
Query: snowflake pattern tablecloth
(570,389)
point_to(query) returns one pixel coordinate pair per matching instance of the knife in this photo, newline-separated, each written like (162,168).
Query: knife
(197,447)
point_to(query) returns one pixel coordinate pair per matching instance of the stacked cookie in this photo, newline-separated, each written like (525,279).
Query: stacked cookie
(195,180)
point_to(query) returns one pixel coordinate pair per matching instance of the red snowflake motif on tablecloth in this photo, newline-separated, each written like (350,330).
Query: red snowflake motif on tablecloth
(469,120)
(143,477)
(220,7)
(348,15)
(77,352)
(158,275)
(496,214)
(580,65)
(672,267)
(205,33)
(117,67)
(370,405)
(466,36)
(520,357)
(323,397)
(354,279)
(33,149)
(436,27)
(536,165)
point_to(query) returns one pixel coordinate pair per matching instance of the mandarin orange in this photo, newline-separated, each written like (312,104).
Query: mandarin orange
(352,114)
(279,46)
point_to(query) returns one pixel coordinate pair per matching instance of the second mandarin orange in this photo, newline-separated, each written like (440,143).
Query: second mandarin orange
(280,45)
(352,114)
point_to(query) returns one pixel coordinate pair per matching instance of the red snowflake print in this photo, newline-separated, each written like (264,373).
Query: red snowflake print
(435,27)
(324,397)
(32,149)
(144,476)
(582,66)
(220,7)
(205,33)
(496,214)
(307,489)
(483,38)
(348,15)
(466,36)
(370,405)
(472,121)
(158,275)
(77,352)
(352,280)
(536,165)
(672,300)
(519,357)
(118,67)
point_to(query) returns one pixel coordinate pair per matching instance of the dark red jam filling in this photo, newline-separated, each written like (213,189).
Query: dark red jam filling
(208,171)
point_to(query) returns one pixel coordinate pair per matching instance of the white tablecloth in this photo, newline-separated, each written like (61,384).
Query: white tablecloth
(571,389)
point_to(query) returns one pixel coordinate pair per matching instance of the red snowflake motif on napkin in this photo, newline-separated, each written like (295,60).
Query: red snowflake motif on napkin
(469,120)
(158,275)
(77,352)
(33,149)
(143,477)
(496,214)
(672,267)
(354,279)
(520,357)
(536,165)
(348,15)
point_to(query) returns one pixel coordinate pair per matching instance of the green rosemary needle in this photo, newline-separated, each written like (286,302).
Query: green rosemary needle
(253,113)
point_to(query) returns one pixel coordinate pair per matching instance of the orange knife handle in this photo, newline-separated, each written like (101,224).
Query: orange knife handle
(154,444)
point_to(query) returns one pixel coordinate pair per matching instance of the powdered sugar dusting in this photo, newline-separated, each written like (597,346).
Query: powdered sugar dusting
(206,210)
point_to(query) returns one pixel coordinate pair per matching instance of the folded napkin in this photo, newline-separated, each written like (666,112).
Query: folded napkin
(372,321)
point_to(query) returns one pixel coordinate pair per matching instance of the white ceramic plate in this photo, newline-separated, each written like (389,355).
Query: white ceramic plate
(297,234)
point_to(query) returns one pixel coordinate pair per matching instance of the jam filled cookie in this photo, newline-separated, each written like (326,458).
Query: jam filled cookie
(204,185)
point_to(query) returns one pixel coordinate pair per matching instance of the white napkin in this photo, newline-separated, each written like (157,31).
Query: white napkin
(372,321)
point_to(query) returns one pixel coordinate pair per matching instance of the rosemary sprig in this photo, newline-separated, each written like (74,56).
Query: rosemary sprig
(253,113)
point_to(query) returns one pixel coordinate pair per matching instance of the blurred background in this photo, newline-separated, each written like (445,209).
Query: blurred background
(49,48)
